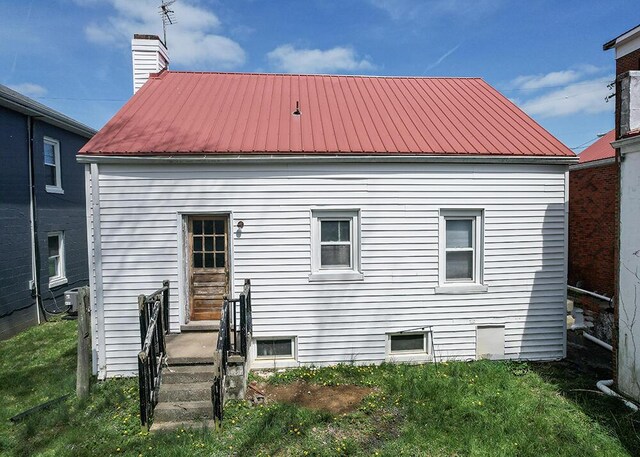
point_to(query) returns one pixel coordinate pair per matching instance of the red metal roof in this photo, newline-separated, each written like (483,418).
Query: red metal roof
(599,150)
(222,113)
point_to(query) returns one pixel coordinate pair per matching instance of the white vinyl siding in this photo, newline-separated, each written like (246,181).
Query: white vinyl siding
(140,209)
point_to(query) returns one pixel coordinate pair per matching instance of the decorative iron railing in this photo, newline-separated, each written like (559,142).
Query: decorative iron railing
(233,340)
(154,325)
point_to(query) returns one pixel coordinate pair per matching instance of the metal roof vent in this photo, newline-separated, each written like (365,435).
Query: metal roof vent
(297,110)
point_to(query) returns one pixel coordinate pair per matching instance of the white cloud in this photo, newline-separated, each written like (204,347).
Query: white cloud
(289,59)
(554,78)
(29,89)
(580,97)
(194,41)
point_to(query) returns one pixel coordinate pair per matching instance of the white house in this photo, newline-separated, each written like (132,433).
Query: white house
(627,50)
(378,218)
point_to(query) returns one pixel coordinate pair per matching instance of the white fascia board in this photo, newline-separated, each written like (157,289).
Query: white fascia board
(304,158)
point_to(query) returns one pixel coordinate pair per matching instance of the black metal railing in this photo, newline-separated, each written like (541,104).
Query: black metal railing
(154,325)
(233,340)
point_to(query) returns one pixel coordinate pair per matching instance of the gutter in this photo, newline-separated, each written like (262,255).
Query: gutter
(316,158)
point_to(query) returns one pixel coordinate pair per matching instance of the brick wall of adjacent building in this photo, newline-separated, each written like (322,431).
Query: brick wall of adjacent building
(592,228)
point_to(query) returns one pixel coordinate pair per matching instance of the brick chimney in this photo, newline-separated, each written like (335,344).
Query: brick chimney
(149,55)
(627,53)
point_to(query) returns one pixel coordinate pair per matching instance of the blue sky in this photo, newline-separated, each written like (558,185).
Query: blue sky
(74,55)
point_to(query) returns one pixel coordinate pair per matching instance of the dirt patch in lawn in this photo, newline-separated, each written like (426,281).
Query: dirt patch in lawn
(334,399)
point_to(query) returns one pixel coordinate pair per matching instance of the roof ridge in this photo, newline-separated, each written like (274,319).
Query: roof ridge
(312,74)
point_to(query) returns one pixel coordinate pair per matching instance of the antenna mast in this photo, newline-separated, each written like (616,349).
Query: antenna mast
(168,17)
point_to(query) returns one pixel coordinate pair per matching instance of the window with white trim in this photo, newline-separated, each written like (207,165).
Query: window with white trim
(275,348)
(335,248)
(461,256)
(56,266)
(53,175)
(408,346)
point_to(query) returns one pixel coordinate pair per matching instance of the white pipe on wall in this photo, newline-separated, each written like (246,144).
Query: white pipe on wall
(597,341)
(588,292)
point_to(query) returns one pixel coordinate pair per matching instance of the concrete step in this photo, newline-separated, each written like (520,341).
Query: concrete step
(190,360)
(187,374)
(183,411)
(208,424)
(201,326)
(200,391)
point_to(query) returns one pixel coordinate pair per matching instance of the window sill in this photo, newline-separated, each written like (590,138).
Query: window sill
(461,289)
(336,276)
(409,357)
(277,363)
(57,282)
(54,190)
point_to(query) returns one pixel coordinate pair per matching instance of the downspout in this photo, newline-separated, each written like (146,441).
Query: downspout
(35,251)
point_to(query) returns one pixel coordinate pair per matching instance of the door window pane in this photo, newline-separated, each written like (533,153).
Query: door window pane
(198,261)
(460,265)
(197,243)
(459,233)
(208,227)
(208,260)
(332,255)
(220,260)
(219,243)
(208,243)
(219,226)
(197,227)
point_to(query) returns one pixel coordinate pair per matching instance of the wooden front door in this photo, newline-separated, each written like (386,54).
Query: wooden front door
(208,266)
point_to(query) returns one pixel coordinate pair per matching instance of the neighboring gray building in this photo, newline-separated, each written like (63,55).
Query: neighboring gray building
(42,210)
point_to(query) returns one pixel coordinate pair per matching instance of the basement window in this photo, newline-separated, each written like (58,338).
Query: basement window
(408,343)
(275,348)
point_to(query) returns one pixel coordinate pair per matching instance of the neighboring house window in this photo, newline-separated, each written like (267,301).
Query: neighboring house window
(461,256)
(57,275)
(335,245)
(275,348)
(53,177)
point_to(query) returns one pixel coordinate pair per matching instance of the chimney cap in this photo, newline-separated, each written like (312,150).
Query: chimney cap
(142,36)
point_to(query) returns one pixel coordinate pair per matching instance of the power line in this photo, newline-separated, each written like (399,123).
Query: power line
(583,83)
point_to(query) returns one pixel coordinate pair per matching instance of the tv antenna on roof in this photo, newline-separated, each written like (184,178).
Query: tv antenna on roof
(168,16)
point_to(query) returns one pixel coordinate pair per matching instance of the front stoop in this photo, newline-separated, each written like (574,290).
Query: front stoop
(184,399)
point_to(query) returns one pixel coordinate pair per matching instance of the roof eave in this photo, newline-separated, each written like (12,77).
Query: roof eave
(24,105)
(311,158)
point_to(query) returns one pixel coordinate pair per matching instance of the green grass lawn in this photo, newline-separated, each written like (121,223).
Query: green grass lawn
(448,409)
